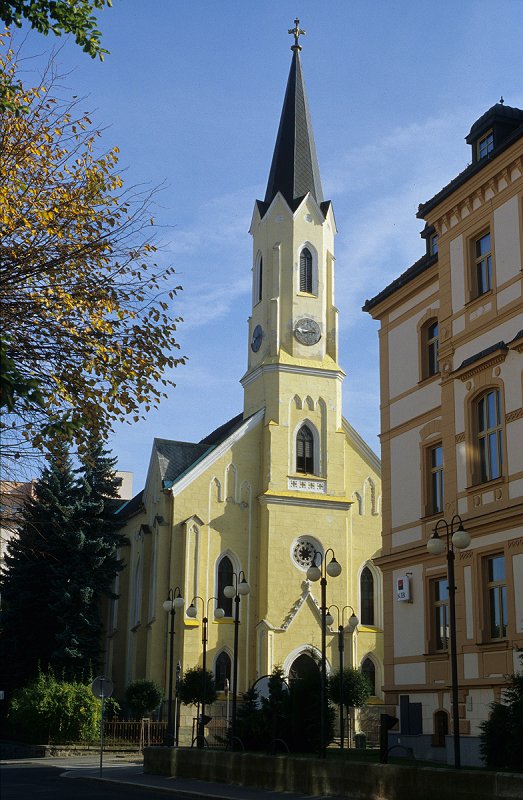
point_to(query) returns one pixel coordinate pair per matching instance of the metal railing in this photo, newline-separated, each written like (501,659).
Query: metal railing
(138,733)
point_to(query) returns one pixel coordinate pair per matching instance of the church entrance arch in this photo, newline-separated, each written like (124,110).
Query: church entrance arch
(304,666)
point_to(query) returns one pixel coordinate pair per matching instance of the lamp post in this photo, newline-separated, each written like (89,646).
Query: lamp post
(174,601)
(238,587)
(192,612)
(459,539)
(352,625)
(319,573)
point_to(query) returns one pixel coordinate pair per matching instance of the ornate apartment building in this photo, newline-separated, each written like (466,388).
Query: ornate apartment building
(451,366)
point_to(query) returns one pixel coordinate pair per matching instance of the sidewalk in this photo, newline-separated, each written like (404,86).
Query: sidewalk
(126,775)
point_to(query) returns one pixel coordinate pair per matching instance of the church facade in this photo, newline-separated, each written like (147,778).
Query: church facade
(286,482)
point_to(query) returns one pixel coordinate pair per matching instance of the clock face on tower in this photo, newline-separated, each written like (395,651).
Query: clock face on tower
(257,336)
(307,331)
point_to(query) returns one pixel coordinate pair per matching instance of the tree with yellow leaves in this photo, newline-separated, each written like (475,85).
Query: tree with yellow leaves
(88,332)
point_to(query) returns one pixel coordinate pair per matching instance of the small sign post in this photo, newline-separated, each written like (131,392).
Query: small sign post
(102,687)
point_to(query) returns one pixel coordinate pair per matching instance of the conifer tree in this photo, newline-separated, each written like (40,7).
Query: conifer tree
(62,563)
(34,559)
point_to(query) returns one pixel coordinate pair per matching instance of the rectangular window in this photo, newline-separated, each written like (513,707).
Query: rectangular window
(486,145)
(482,268)
(440,613)
(490,445)
(433,244)
(435,479)
(496,597)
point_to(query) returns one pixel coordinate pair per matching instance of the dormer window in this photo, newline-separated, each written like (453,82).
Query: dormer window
(486,145)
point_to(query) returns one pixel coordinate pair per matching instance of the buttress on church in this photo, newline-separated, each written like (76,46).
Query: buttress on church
(266,491)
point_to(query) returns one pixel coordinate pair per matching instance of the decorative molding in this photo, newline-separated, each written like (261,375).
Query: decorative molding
(313,372)
(306,485)
(512,416)
(515,543)
(480,366)
(312,502)
(459,438)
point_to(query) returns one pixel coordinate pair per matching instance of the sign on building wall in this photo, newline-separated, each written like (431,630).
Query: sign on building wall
(403,588)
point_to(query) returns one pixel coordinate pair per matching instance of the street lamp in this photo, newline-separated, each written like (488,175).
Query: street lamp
(239,587)
(351,625)
(459,539)
(319,573)
(174,601)
(192,612)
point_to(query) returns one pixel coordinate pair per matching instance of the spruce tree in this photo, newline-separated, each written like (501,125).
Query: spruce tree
(57,570)
(34,559)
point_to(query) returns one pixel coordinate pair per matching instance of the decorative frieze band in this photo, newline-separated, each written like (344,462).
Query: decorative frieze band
(512,416)
(304,485)
(459,438)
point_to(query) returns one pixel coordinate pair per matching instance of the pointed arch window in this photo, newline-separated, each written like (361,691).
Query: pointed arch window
(305,450)
(225,572)
(258,280)
(306,271)
(367,597)
(369,670)
(222,671)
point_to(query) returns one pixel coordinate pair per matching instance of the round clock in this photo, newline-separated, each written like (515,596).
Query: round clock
(257,336)
(307,331)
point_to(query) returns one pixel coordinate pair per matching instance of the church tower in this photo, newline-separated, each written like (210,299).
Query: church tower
(293,369)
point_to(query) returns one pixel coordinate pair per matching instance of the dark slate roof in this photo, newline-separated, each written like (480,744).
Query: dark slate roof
(510,123)
(294,169)
(176,458)
(223,431)
(478,356)
(497,114)
(131,506)
(422,264)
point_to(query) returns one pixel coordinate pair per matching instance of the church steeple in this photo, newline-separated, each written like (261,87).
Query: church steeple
(294,169)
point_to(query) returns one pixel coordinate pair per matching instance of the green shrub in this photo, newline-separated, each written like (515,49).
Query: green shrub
(142,697)
(501,738)
(52,711)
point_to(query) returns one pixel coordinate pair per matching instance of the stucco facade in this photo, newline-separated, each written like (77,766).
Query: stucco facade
(451,343)
(286,478)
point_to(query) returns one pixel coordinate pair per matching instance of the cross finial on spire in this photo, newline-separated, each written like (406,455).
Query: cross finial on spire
(296,32)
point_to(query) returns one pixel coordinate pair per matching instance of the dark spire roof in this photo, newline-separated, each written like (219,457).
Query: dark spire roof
(294,168)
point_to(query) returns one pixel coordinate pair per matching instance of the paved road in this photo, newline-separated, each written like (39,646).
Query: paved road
(78,779)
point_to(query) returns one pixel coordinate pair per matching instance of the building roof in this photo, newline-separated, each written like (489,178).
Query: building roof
(176,458)
(508,122)
(294,169)
(422,264)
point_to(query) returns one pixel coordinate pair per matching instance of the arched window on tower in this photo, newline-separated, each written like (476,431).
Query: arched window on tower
(306,270)
(305,450)
(225,572)
(222,671)
(367,597)
(369,670)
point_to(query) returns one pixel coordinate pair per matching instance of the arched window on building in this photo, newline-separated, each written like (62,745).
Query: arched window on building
(222,671)
(306,271)
(441,728)
(367,597)
(305,450)
(369,670)
(225,573)
(489,443)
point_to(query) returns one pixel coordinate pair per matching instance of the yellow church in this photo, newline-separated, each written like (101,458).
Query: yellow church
(285,484)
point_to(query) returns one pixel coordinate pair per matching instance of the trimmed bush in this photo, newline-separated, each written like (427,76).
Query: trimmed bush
(142,697)
(49,711)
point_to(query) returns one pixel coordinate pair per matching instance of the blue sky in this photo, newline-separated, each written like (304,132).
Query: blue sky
(192,92)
